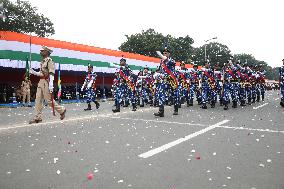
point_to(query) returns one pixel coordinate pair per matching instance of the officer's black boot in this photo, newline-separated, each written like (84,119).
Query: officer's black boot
(190,102)
(204,106)
(182,100)
(97,104)
(235,104)
(213,104)
(199,101)
(151,101)
(175,110)
(253,100)
(134,108)
(226,106)
(187,103)
(249,101)
(258,98)
(160,113)
(89,107)
(282,102)
(117,108)
(262,97)
(221,103)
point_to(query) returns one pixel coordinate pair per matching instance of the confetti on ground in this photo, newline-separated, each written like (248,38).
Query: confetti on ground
(120,181)
(214,153)
(197,157)
(90,176)
(261,165)
(58,172)
(229,178)
(55,160)
(269,160)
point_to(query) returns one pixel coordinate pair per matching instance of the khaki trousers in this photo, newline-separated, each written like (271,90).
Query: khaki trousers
(26,95)
(42,93)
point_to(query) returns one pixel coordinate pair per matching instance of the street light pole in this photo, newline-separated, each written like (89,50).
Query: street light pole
(205,47)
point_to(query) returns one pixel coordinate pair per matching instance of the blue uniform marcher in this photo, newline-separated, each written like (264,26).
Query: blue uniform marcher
(194,85)
(167,77)
(281,80)
(124,86)
(89,87)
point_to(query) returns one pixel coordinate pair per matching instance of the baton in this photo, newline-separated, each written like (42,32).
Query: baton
(52,103)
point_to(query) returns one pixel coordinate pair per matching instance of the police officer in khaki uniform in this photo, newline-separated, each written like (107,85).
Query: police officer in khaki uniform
(45,86)
(26,90)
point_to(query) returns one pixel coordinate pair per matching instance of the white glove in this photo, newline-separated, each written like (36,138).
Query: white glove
(160,55)
(35,73)
(50,86)
(90,84)
(82,89)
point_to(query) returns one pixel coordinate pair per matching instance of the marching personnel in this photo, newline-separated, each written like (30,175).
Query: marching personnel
(281,82)
(184,78)
(124,85)
(26,90)
(207,85)
(167,77)
(242,88)
(45,86)
(89,86)
(194,85)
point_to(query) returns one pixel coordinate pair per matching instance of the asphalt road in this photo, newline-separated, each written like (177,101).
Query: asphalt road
(240,148)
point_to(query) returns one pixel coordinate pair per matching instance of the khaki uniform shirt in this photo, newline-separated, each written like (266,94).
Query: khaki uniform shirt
(26,85)
(47,66)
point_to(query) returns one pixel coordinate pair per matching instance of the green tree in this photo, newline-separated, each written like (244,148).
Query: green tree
(149,41)
(216,53)
(22,17)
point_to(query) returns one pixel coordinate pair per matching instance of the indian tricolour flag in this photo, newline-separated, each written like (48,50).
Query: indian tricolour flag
(15,47)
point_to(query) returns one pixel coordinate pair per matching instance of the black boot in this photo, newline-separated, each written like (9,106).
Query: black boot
(258,98)
(249,101)
(134,108)
(282,103)
(187,103)
(117,108)
(97,104)
(253,100)
(89,107)
(160,113)
(151,102)
(221,103)
(204,106)
(235,104)
(175,110)
(262,97)
(213,104)
(243,103)
(190,102)
(226,106)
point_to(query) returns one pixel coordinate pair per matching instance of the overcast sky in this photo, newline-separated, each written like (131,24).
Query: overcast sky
(246,26)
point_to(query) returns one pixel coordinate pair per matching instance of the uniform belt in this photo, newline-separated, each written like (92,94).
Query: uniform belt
(44,77)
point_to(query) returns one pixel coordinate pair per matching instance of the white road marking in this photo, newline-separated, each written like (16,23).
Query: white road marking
(178,141)
(251,129)
(255,108)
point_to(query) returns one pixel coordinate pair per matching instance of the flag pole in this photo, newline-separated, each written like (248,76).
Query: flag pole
(30,50)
